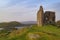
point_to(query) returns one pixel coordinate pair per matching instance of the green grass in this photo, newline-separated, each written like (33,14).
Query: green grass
(47,32)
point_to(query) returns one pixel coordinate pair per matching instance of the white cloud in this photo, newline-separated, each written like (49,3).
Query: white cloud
(18,13)
(21,11)
(3,3)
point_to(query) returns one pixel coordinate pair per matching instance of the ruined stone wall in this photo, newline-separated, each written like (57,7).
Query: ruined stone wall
(49,17)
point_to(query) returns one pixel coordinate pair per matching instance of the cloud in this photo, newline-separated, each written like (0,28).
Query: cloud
(18,12)
(3,3)
(23,10)
(54,7)
(8,3)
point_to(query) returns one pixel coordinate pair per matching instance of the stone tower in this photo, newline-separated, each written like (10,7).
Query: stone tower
(40,16)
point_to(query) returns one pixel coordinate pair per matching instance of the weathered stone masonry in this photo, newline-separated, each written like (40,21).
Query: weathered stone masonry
(40,16)
(45,18)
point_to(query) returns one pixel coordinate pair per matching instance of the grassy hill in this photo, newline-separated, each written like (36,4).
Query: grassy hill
(48,32)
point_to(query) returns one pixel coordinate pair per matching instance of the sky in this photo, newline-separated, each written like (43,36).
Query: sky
(26,10)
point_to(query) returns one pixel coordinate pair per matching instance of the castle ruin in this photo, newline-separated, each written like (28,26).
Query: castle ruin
(45,18)
(40,16)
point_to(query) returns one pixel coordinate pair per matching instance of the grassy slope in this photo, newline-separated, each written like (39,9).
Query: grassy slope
(45,33)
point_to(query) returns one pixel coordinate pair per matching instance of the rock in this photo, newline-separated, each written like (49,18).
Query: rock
(33,36)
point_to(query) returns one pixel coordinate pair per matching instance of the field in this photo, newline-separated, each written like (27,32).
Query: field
(47,32)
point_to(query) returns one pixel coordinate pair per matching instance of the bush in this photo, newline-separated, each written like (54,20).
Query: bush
(58,23)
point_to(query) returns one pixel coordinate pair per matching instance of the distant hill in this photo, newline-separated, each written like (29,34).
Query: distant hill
(10,24)
(29,22)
